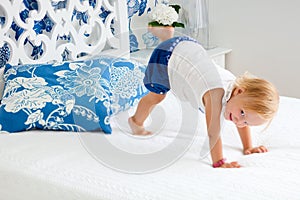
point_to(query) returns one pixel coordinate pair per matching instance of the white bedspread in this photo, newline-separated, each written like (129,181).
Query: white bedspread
(57,165)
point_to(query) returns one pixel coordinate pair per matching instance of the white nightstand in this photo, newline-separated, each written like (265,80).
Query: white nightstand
(217,54)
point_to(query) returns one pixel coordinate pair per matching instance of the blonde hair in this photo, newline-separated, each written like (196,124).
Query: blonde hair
(261,96)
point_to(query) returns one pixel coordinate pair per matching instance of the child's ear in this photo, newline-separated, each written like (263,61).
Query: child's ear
(238,90)
(241,90)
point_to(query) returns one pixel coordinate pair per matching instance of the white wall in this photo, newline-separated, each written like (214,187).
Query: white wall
(264,36)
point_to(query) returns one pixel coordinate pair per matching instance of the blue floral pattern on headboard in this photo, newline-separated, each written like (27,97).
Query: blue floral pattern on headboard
(139,37)
(4,55)
(45,25)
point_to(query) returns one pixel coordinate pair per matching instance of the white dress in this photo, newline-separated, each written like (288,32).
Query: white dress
(192,73)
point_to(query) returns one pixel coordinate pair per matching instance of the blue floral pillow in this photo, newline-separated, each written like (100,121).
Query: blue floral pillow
(70,96)
(126,84)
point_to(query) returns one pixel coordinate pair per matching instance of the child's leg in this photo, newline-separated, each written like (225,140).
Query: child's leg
(143,110)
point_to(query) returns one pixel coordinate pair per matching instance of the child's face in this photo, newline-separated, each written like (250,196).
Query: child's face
(236,113)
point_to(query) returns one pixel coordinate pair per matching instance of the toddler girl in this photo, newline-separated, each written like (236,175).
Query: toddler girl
(182,64)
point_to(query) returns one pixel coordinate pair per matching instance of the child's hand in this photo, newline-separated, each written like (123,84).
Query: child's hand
(231,165)
(260,149)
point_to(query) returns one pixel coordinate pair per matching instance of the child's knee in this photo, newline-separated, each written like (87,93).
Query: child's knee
(157,98)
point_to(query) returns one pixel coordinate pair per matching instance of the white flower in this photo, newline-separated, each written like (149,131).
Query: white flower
(164,14)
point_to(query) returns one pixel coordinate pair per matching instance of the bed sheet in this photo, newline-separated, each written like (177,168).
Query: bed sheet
(60,165)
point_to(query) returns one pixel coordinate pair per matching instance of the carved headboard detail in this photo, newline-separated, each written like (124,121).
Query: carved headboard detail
(40,31)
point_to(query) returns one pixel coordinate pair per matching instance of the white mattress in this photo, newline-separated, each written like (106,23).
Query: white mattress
(60,165)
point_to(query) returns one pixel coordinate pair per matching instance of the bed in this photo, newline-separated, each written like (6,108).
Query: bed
(65,161)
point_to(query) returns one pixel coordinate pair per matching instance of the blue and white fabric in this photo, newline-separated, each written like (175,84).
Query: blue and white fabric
(72,96)
(126,83)
(156,76)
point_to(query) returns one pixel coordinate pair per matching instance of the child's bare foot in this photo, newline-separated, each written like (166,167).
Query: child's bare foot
(136,129)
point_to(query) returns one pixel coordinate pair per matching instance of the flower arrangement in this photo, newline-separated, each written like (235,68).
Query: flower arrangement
(165,15)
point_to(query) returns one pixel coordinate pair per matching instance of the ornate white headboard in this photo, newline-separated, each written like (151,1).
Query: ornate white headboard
(39,31)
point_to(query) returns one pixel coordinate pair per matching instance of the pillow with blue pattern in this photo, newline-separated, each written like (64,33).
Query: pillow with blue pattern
(70,96)
(126,84)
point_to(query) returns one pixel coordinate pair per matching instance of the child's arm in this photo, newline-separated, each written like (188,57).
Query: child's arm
(213,107)
(245,135)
